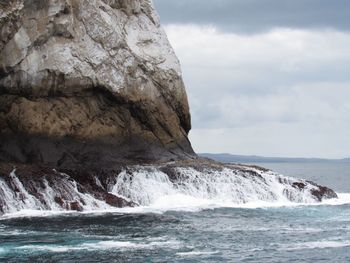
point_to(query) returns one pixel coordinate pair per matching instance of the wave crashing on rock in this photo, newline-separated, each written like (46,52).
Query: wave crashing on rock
(170,185)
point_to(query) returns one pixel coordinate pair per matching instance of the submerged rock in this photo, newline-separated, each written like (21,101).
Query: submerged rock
(42,188)
(89,83)
(164,185)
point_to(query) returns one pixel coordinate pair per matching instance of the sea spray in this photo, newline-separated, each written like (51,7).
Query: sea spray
(156,186)
(146,186)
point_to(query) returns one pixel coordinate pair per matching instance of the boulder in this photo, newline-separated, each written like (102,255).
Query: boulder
(89,83)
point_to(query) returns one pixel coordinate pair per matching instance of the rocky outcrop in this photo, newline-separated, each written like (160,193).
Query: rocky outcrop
(94,114)
(89,83)
(38,188)
(32,187)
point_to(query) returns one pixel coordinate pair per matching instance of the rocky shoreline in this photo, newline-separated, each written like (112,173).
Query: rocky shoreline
(44,188)
(94,114)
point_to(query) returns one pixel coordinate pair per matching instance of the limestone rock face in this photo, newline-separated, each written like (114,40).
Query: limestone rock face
(86,82)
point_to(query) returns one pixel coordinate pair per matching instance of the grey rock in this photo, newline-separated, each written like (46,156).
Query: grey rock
(86,82)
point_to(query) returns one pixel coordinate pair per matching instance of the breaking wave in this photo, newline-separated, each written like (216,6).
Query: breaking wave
(154,190)
(103,245)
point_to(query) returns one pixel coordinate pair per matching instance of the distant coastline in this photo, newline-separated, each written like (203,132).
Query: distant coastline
(231,158)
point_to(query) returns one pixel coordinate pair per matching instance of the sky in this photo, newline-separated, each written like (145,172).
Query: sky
(264,77)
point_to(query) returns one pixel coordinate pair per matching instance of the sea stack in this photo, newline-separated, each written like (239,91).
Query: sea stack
(94,115)
(89,83)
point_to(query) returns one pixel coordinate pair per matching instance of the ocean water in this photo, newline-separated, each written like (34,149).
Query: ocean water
(194,230)
(335,175)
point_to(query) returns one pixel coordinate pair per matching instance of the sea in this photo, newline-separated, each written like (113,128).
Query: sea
(195,231)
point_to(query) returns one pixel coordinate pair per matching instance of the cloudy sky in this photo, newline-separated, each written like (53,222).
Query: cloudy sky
(265,77)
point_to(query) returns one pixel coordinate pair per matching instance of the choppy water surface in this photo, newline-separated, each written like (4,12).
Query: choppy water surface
(193,231)
(332,174)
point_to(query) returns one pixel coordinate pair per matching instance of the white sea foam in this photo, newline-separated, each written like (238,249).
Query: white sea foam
(176,203)
(196,253)
(195,190)
(36,213)
(105,245)
(343,199)
(156,193)
(317,244)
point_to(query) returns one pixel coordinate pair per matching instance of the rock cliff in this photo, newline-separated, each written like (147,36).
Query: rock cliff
(89,83)
(94,114)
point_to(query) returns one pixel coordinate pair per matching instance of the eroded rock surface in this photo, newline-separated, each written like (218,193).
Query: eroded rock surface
(89,82)
(94,115)
(38,188)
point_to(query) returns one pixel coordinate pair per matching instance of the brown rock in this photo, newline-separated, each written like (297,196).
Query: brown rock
(89,83)
(60,201)
(116,201)
(76,206)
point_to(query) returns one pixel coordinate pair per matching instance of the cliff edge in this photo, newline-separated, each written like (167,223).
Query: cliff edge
(94,115)
(89,83)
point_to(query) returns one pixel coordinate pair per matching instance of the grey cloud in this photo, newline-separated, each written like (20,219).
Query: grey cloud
(279,93)
(250,16)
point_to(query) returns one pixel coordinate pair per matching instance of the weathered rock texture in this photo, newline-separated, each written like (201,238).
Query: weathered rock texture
(32,187)
(89,90)
(89,83)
